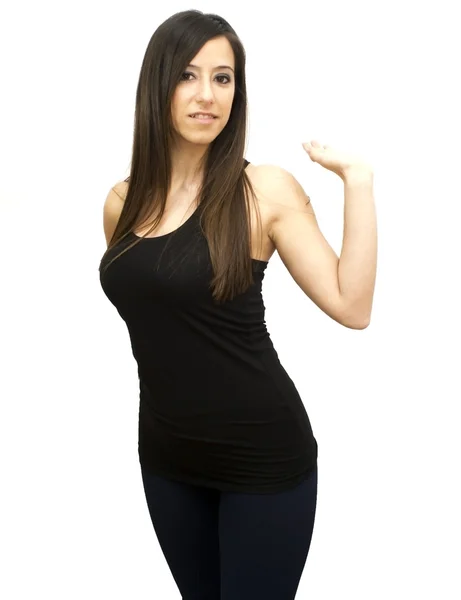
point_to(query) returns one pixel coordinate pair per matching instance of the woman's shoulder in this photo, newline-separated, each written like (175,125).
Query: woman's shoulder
(121,189)
(265,180)
(112,209)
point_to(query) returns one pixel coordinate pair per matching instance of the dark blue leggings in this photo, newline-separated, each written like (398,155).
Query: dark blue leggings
(233,546)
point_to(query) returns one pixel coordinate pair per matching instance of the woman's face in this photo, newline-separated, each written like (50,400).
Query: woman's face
(208,86)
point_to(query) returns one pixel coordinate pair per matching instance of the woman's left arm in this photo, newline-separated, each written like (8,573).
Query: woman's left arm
(358,261)
(342,287)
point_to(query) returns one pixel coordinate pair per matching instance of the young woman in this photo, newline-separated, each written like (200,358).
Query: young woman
(226,448)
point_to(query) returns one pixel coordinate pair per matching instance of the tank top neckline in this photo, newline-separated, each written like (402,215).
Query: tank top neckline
(188,220)
(194,214)
(165,235)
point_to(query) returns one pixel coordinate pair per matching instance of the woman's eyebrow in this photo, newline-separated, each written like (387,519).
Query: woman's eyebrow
(220,67)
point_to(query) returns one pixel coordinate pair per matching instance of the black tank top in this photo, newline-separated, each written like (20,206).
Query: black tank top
(217,408)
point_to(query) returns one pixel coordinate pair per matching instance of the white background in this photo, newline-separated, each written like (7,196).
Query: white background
(380,79)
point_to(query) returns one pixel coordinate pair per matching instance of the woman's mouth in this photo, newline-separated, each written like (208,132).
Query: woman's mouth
(202,119)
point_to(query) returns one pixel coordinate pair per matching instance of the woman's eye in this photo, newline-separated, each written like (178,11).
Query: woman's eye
(225,77)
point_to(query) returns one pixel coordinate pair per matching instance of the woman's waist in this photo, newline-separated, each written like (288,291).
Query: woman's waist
(221,420)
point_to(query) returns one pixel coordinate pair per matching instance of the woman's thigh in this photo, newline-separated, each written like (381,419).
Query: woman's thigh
(185,519)
(265,540)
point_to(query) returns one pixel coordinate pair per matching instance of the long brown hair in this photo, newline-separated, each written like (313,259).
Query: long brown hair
(223,197)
